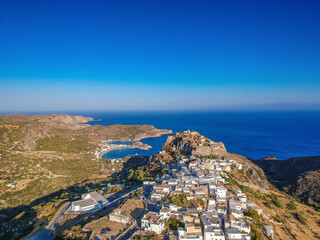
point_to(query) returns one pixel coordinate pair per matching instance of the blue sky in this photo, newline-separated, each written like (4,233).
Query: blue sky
(151,55)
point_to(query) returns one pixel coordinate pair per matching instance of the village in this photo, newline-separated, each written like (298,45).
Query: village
(192,195)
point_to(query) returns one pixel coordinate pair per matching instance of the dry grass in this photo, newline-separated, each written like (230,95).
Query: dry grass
(133,208)
(104,223)
(290,227)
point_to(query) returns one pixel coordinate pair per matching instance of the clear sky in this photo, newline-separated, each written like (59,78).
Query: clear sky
(157,54)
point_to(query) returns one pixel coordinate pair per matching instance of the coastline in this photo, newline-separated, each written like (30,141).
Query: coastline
(107,146)
(104,151)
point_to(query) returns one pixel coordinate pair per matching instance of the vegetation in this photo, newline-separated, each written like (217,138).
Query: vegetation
(277,218)
(253,214)
(258,194)
(174,223)
(201,202)
(211,157)
(275,200)
(300,218)
(63,144)
(292,206)
(138,176)
(267,204)
(114,189)
(181,201)
(256,232)
(232,181)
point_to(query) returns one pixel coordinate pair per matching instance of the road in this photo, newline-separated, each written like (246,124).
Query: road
(151,206)
(45,233)
(129,233)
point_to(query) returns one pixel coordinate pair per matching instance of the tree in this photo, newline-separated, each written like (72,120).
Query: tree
(114,189)
(253,214)
(174,223)
(131,174)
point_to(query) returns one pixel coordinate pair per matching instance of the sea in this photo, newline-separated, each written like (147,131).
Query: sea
(254,134)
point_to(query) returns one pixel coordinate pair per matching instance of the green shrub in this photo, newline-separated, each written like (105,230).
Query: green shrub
(245,189)
(256,232)
(277,218)
(292,206)
(201,202)
(267,204)
(275,200)
(253,214)
(301,219)
(257,194)
(174,223)
(232,181)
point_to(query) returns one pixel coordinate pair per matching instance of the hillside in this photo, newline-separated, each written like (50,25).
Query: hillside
(58,166)
(40,154)
(299,176)
(290,218)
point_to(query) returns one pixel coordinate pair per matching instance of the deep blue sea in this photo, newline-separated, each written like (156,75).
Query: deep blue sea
(251,134)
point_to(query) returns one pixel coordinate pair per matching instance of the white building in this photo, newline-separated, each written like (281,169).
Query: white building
(240,225)
(116,216)
(221,192)
(210,233)
(235,234)
(152,222)
(88,202)
(268,229)
(157,196)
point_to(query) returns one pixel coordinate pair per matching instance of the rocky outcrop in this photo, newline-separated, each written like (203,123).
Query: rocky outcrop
(140,145)
(192,143)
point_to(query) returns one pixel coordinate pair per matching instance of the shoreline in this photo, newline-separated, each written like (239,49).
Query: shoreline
(136,144)
(107,146)
(101,153)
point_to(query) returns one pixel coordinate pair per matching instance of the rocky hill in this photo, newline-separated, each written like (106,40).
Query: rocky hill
(299,176)
(192,143)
